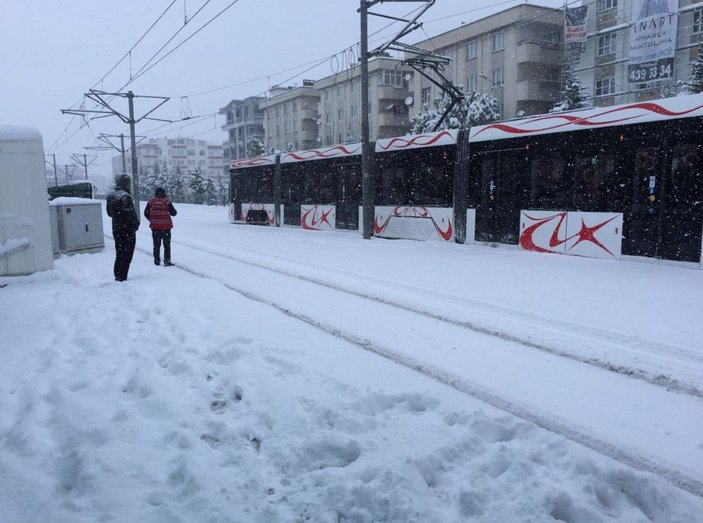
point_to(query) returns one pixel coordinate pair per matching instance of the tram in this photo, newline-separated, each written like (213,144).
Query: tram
(604,182)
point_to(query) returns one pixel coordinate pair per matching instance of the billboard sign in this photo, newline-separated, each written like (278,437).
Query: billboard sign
(652,40)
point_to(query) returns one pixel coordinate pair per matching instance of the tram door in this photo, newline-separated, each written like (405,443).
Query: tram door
(682,202)
(505,188)
(348,196)
(665,219)
(641,228)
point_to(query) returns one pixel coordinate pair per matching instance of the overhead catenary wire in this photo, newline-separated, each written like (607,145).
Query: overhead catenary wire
(313,64)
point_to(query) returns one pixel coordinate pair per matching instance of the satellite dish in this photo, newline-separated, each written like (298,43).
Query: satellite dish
(408,77)
(409,101)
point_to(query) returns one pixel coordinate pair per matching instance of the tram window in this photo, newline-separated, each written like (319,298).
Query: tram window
(393,191)
(311,183)
(327,184)
(591,177)
(684,188)
(548,183)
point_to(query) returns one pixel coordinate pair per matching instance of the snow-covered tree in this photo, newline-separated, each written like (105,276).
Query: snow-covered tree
(210,192)
(695,78)
(175,187)
(255,147)
(573,94)
(197,185)
(477,109)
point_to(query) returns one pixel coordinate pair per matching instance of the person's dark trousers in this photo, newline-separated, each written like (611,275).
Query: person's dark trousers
(159,236)
(124,250)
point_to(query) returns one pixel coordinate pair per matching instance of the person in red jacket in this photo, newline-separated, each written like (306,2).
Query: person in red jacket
(159,211)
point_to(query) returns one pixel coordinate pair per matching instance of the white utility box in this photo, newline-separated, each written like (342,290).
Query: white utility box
(79,225)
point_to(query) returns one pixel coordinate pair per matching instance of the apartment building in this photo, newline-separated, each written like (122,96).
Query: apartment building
(613,63)
(340,103)
(185,154)
(243,121)
(515,54)
(291,117)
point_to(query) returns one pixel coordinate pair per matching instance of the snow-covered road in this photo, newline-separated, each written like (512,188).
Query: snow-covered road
(284,375)
(589,380)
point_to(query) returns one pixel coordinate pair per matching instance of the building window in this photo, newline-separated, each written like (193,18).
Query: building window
(328,117)
(294,103)
(604,5)
(498,76)
(605,86)
(340,114)
(426,95)
(285,109)
(471,50)
(606,44)
(552,74)
(354,111)
(327,94)
(394,78)
(498,41)
(352,86)
(472,83)
(697,21)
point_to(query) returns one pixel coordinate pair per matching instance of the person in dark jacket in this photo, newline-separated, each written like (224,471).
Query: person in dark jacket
(125,222)
(159,211)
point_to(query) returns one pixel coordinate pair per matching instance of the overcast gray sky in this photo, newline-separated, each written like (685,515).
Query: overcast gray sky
(54,51)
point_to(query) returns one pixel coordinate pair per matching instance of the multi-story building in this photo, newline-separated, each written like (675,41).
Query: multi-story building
(185,154)
(340,102)
(291,117)
(515,54)
(611,64)
(244,121)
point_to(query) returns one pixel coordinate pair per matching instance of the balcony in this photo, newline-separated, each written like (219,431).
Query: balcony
(309,114)
(542,52)
(390,92)
(537,90)
(384,119)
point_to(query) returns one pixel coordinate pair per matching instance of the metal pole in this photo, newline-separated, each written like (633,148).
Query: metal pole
(135,175)
(124,161)
(85,165)
(367,182)
(56,176)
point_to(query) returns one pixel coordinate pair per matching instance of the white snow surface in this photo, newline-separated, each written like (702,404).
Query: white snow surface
(196,394)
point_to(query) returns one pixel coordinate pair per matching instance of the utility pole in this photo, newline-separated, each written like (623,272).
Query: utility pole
(99,98)
(105,138)
(367,179)
(367,167)
(82,162)
(133,147)
(56,178)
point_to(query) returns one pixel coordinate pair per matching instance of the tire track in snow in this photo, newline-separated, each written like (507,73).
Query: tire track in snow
(618,453)
(568,332)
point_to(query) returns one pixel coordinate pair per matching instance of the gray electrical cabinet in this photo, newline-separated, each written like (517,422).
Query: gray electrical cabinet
(79,225)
